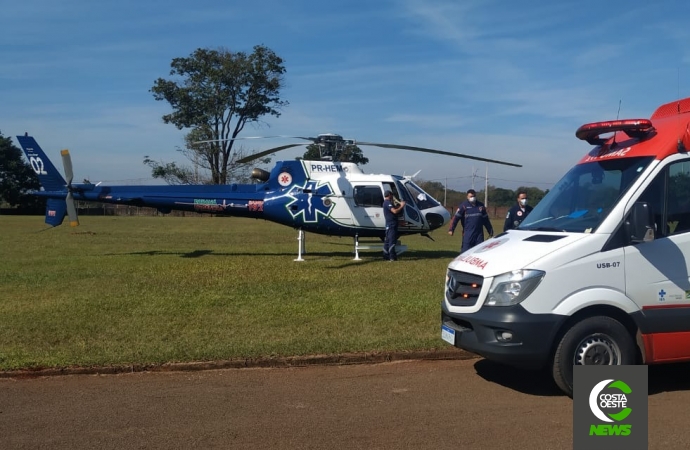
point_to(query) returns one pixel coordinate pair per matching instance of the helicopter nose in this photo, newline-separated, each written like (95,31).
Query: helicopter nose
(437,217)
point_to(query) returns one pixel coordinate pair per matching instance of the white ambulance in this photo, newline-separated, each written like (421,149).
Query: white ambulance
(598,273)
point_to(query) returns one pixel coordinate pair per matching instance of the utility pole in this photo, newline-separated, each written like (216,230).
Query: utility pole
(486,187)
(196,168)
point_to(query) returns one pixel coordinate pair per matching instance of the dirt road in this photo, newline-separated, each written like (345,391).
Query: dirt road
(471,404)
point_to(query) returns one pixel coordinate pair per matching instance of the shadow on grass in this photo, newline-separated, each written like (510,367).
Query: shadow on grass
(430,254)
(368,257)
(407,256)
(193,254)
(200,253)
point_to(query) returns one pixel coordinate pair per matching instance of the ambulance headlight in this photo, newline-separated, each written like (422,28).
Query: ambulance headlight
(513,287)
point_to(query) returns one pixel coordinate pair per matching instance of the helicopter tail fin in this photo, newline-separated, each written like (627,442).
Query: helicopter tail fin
(48,175)
(54,185)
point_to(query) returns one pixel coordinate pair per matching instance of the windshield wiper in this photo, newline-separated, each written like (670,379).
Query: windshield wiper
(560,230)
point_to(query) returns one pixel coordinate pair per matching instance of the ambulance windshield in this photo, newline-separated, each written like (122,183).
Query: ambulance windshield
(582,199)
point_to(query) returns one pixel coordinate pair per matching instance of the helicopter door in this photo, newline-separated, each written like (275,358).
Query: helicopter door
(413,218)
(367,210)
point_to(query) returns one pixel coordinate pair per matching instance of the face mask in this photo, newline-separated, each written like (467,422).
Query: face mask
(471,199)
(523,201)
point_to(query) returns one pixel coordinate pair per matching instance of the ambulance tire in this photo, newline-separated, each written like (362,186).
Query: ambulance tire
(597,340)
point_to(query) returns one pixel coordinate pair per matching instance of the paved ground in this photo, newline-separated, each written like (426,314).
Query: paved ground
(470,404)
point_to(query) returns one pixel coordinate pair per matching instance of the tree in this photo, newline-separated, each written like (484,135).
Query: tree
(508,197)
(534,194)
(16,176)
(350,153)
(170,172)
(215,94)
(434,188)
(500,196)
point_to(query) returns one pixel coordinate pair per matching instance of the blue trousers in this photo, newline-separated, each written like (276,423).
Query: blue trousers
(469,240)
(389,243)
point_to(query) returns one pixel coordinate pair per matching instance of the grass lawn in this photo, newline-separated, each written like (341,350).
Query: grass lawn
(149,290)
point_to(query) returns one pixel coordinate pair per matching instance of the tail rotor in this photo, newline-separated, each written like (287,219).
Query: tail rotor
(69,174)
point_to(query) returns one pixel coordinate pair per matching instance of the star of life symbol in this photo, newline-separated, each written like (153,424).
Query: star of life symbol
(284,179)
(490,245)
(311,204)
(662,293)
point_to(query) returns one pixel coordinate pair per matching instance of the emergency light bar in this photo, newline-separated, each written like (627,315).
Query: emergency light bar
(635,128)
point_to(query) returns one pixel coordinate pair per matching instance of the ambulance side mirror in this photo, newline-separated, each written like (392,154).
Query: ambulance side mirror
(640,224)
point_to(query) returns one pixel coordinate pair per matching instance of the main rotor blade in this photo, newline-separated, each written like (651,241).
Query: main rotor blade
(67,165)
(438,152)
(71,210)
(256,137)
(266,152)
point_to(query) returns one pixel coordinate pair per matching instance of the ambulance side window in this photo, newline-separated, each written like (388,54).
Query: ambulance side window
(678,206)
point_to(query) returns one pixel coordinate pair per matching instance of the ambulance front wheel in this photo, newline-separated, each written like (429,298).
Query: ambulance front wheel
(598,340)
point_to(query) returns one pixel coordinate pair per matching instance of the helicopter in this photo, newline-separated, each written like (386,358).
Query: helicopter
(324,196)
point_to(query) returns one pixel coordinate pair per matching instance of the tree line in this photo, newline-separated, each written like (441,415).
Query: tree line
(496,196)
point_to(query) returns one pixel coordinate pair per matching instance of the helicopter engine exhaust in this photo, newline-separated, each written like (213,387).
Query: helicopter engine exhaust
(260,174)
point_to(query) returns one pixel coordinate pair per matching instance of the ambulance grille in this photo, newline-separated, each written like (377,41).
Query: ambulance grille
(462,288)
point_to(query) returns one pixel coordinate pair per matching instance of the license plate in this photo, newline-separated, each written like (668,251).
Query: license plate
(448,334)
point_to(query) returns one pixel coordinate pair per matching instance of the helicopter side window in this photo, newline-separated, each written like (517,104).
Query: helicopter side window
(404,194)
(368,196)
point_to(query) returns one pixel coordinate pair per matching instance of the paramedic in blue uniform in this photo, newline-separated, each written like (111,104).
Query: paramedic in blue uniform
(473,216)
(517,213)
(390,212)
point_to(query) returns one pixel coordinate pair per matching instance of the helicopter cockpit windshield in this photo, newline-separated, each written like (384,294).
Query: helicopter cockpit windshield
(421,198)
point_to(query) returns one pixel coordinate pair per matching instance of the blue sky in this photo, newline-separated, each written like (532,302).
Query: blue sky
(498,79)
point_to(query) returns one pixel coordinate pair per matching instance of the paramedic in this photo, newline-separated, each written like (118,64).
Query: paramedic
(517,213)
(390,212)
(473,216)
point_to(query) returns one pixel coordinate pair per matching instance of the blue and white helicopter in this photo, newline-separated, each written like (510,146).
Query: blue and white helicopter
(323,197)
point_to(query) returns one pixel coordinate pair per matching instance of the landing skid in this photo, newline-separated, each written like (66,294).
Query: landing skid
(399,248)
(301,249)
